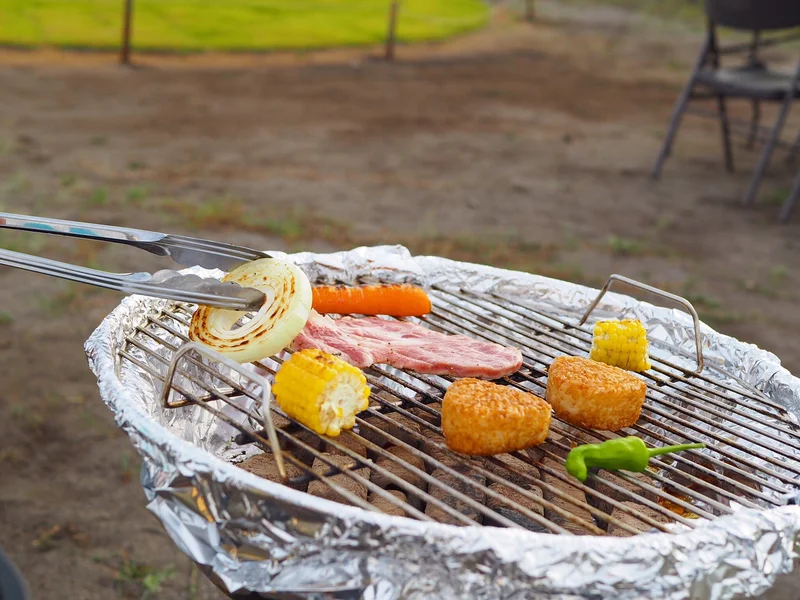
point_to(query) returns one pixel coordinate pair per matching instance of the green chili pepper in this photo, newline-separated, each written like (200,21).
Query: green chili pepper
(628,454)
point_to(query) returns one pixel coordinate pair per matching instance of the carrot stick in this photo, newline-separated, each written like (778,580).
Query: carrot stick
(399,300)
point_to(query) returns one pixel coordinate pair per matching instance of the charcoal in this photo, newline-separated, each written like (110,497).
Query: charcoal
(386,506)
(425,415)
(349,441)
(404,474)
(569,507)
(318,488)
(264,466)
(632,521)
(470,491)
(515,496)
(389,424)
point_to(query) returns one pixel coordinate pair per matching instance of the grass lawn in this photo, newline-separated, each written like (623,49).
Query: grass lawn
(196,25)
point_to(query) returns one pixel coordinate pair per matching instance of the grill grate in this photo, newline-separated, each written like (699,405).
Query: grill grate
(396,461)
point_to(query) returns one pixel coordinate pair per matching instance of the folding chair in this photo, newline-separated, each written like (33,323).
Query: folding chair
(752,81)
(788,205)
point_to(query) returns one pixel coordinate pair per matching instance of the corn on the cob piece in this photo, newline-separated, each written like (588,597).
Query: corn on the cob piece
(321,391)
(621,344)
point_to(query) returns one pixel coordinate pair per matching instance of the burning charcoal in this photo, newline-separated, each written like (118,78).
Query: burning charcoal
(369,434)
(437,450)
(517,497)
(412,438)
(395,468)
(307,437)
(264,466)
(534,455)
(439,493)
(382,398)
(433,419)
(724,481)
(509,512)
(349,441)
(319,488)
(386,506)
(562,503)
(627,488)
(389,424)
(516,470)
(630,487)
(728,486)
(279,421)
(632,521)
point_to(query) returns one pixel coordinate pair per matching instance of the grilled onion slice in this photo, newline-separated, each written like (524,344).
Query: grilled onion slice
(272,328)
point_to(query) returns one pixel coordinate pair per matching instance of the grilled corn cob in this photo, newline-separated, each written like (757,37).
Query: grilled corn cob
(621,344)
(321,391)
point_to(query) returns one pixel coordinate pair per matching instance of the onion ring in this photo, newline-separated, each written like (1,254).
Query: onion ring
(272,328)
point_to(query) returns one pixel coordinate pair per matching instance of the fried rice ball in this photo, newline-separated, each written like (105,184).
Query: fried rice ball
(592,394)
(483,418)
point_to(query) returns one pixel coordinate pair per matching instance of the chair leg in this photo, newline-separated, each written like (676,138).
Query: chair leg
(754,123)
(772,140)
(788,205)
(674,124)
(726,133)
(792,155)
(679,109)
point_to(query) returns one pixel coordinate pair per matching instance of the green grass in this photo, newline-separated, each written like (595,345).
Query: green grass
(235,25)
(625,246)
(98,197)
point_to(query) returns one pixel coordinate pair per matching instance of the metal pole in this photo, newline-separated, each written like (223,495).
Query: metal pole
(391,33)
(125,54)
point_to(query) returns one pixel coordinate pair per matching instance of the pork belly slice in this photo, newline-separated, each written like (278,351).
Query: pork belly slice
(370,340)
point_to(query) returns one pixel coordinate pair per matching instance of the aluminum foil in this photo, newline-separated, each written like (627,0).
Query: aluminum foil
(254,535)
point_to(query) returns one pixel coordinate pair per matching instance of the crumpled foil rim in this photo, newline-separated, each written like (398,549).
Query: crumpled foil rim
(254,535)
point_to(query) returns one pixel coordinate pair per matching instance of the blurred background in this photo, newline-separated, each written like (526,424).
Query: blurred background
(518,134)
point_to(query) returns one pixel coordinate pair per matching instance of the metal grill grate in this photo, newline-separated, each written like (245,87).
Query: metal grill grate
(396,461)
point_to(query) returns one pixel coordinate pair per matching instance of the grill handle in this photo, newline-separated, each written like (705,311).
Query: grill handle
(698,336)
(266,390)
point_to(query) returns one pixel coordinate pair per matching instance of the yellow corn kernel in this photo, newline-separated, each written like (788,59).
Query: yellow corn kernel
(621,344)
(321,391)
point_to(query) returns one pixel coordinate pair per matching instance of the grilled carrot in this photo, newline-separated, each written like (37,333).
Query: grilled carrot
(399,300)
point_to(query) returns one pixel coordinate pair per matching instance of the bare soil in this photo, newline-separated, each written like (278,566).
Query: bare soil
(524,145)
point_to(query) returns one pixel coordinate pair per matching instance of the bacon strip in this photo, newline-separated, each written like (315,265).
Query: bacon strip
(366,341)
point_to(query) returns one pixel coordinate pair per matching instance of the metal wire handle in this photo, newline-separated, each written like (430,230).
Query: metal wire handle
(698,336)
(266,413)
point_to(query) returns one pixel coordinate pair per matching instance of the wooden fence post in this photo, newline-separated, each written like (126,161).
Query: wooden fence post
(127,17)
(530,13)
(392,31)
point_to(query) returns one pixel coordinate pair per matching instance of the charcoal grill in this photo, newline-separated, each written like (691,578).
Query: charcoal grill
(528,489)
(395,461)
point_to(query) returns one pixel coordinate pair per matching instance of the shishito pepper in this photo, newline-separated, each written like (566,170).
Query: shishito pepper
(625,454)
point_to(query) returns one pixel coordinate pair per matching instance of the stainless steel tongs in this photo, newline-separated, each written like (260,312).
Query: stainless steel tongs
(167,284)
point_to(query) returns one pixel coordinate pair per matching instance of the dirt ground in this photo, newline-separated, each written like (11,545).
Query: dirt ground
(524,145)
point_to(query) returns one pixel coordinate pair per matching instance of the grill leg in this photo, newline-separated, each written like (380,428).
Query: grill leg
(772,141)
(754,123)
(788,205)
(726,133)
